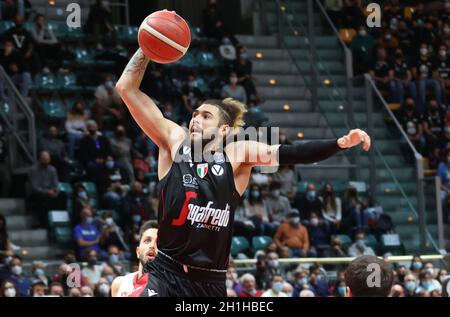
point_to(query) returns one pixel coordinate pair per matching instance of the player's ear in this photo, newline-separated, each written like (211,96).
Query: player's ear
(137,252)
(225,128)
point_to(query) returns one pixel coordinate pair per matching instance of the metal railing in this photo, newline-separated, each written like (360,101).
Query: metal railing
(22,139)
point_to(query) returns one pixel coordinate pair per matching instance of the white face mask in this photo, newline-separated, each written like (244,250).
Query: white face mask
(104,289)
(109,221)
(443,53)
(10,292)
(423,51)
(16,269)
(363,32)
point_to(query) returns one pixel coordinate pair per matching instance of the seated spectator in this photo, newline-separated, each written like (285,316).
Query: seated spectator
(401,79)
(424,73)
(46,42)
(111,234)
(74,292)
(380,70)
(331,207)
(257,177)
(107,101)
(306,293)
(38,289)
(288,178)
(276,287)
(213,21)
(362,47)
(8,289)
(307,202)
(38,272)
(301,282)
(243,69)
(21,281)
(248,282)
(412,124)
(169,112)
(93,148)
(410,285)
(278,206)
(396,291)
(108,273)
(234,90)
(115,257)
(191,97)
(293,235)
(256,210)
(318,281)
(86,291)
(121,149)
(86,234)
(428,282)
(359,248)
(57,149)
(80,200)
(336,249)
(353,212)
(99,22)
(288,289)
(14,66)
(45,194)
(138,203)
(433,124)
(442,66)
(102,288)
(388,41)
(56,289)
(405,36)
(93,269)
(352,15)
(319,236)
(76,127)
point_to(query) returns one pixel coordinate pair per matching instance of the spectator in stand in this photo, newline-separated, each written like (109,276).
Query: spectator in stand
(23,42)
(412,125)
(115,257)
(107,101)
(359,248)
(243,69)
(45,194)
(444,184)
(388,41)
(38,289)
(57,149)
(76,127)
(255,209)
(405,35)
(121,149)
(319,236)
(336,249)
(433,124)
(74,292)
(234,90)
(428,282)
(288,178)
(380,70)
(352,15)
(38,272)
(352,208)
(99,22)
(442,65)
(307,202)
(86,234)
(318,281)
(81,200)
(93,269)
(331,207)
(248,282)
(138,203)
(21,281)
(12,62)
(425,73)
(410,285)
(294,235)
(268,268)
(8,289)
(47,46)
(56,289)
(278,206)
(191,97)
(401,79)
(111,233)
(362,47)
(169,111)
(213,25)
(102,288)
(86,291)
(276,287)
(258,178)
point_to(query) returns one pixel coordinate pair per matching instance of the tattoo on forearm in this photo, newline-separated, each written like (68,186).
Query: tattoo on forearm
(137,64)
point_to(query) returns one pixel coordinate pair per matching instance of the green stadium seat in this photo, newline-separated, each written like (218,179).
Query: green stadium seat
(5,25)
(239,244)
(45,82)
(63,235)
(261,242)
(58,218)
(391,243)
(345,240)
(54,109)
(207,60)
(83,57)
(90,188)
(65,188)
(68,82)
(188,61)
(371,241)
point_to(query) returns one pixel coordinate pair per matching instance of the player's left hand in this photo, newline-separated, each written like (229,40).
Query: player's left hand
(353,138)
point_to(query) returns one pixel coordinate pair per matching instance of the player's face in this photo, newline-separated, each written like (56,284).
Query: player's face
(204,122)
(147,249)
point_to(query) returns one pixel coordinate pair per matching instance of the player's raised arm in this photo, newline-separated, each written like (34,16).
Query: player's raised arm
(260,154)
(148,116)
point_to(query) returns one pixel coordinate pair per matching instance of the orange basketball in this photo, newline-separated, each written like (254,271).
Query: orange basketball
(164,36)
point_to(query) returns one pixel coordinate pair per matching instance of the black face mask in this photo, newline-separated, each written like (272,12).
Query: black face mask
(92,132)
(398,55)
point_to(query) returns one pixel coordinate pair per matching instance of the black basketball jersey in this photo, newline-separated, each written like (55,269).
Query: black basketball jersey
(196,210)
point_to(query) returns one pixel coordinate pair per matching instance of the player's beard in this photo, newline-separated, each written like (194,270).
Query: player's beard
(198,146)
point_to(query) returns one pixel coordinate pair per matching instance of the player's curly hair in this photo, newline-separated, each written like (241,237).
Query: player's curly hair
(231,111)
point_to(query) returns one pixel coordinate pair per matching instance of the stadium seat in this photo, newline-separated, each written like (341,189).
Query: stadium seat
(115,215)
(188,61)
(63,235)
(54,109)
(90,188)
(391,243)
(345,240)
(5,25)
(371,241)
(261,242)
(45,82)
(239,244)
(207,60)
(58,218)
(68,82)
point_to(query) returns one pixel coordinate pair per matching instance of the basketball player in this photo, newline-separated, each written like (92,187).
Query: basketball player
(197,198)
(132,284)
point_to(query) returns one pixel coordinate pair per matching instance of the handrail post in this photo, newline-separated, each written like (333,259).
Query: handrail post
(312,52)
(440,218)
(421,201)
(372,158)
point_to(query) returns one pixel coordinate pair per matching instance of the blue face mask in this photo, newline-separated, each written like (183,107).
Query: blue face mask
(342,290)
(448,159)
(38,272)
(83,195)
(410,286)
(244,56)
(255,194)
(417,265)
(311,195)
(136,218)
(427,284)
(89,220)
(303,281)
(113,258)
(109,164)
(277,286)
(92,261)
(360,243)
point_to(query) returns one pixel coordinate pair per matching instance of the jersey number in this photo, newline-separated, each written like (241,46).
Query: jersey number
(184,210)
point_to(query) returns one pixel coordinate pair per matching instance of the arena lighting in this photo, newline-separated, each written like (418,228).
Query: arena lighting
(341,107)
(410,219)
(300,135)
(51,2)
(283,8)
(387,190)
(259,55)
(296,33)
(272,81)
(286,107)
(326,82)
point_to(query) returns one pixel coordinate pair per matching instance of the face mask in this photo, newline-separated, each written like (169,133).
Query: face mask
(311,195)
(229,284)
(168,114)
(423,51)
(303,281)
(109,85)
(39,272)
(192,84)
(104,289)
(443,278)
(92,132)
(360,243)
(253,292)
(110,278)
(109,164)
(113,258)
(234,275)
(109,221)
(363,32)
(446,30)
(443,53)
(89,220)
(10,292)
(233,80)
(276,193)
(314,222)
(255,194)
(243,56)
(92,261)
(7,260)
(430,271)
(16,270)
(427,284)
(388,37)
(136,218)
(277,286)
(410,286)
(417,265)
(83,195)
(273,263)
(295,221)
(342,290)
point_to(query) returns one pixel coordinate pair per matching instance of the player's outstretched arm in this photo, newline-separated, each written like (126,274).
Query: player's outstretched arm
(144,111)
(260,154)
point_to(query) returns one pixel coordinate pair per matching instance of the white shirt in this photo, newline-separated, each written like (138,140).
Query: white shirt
(271,293)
